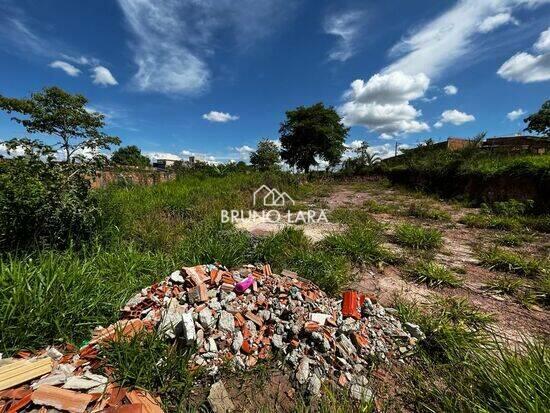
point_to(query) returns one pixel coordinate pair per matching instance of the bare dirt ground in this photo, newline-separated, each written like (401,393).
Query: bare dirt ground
(514,320)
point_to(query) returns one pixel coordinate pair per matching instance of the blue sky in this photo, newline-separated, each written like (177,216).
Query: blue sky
(213,77)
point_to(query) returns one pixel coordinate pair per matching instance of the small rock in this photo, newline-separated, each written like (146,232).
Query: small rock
(219,399)
(54,353)
(415,331)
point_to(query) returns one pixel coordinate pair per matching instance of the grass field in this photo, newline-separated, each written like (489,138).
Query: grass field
(52,297)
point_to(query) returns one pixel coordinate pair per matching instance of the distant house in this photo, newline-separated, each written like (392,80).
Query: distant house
(518,143)
(164,163)
(167,163)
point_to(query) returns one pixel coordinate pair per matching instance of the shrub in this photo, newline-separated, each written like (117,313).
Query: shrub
(44,203)
(434,274)
(508,208)
(417,237)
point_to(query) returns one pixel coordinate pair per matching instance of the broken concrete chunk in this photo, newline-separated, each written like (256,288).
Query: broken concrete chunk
(205,318)
(188,328)
(414,330)
(314,385)
(219,399)
(277,341)
(226,322)
(176,277)
(237,343)
(302,372)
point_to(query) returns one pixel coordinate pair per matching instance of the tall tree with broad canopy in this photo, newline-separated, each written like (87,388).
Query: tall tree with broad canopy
(310,133)
(130,155)
(266,157)
(55,112)
(540,122)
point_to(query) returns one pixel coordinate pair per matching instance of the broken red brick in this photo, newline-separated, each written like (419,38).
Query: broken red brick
(256,319)
(61,399)
(350,305)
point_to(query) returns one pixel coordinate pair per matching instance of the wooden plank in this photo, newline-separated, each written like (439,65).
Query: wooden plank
(22,371)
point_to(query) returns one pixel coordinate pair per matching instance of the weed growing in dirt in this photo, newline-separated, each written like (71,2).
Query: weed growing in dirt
(360,243)
(502,260)
(451,326)
(148,361)
(506,284)
(279,248)
(418,237)
(491,379)
(434,274)
(491,221)
(513,239)
(378,208)
(427,211)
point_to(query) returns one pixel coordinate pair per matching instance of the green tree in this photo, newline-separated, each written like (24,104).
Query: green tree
(55,112)
(129,155)
(311,133)
(266,156)
(539,122)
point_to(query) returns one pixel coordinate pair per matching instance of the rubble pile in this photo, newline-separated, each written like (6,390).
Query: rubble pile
(251,314)
(234,318)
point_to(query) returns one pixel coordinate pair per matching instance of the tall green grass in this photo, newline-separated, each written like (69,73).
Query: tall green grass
(53,297)
(417,237)
(148,361)
(361,243)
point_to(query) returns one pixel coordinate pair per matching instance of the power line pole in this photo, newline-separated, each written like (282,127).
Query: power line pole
(396,143)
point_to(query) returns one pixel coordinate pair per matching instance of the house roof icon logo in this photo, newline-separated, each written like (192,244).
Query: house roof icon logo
(271,197)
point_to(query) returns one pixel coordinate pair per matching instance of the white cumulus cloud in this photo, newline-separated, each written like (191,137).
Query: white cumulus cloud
(450,90)
(493,22)
(346,26)
(382,103)
(450,37)
(515,114)
(66,67)
(103,77)
(525,67)
(154,156)
(455,117)
(215,116)
(543,43)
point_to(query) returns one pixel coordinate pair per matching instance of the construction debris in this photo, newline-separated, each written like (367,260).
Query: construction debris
(236,318)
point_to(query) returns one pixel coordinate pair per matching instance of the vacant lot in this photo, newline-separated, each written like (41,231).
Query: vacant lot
(475,280)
